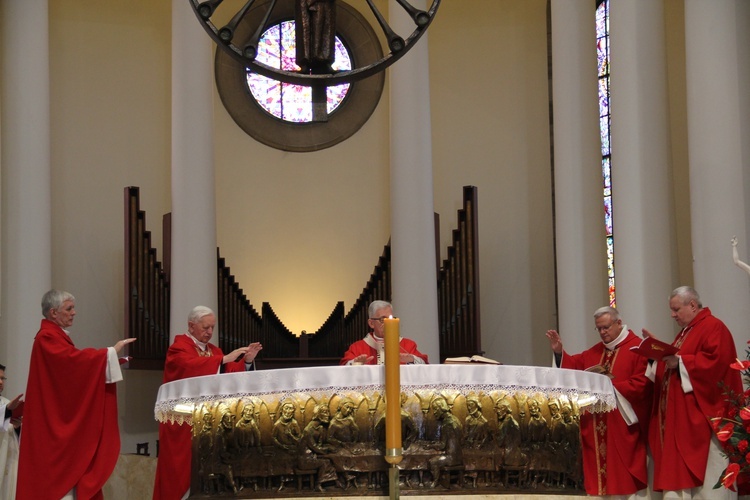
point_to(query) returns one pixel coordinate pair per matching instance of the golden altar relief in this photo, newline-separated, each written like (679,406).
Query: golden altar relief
(283,432)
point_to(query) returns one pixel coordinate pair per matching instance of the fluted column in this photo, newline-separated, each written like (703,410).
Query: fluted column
(26,189)
(717,71)
(645,270)
(579,221)
(193,197)
(412,211)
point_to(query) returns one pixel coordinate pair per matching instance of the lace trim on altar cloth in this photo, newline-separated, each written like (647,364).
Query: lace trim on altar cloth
(176,408)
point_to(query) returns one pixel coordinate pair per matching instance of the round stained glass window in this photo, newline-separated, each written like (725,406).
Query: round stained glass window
(292,103)
(279,114)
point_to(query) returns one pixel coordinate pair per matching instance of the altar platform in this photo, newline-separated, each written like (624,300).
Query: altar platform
(479,431)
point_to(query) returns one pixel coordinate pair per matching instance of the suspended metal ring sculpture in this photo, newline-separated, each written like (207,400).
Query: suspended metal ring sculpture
(247,53)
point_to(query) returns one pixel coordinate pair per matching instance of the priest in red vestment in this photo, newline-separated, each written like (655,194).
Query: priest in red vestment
(369,350)
(191,355)
(71,439)
(614,450)
(689,391)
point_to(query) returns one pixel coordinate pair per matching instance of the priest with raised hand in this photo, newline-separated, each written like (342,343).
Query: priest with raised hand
(192,355)
(71,438)
(613,443)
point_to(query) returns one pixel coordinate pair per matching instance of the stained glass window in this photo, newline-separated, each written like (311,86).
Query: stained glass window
(602,53)
(293,103)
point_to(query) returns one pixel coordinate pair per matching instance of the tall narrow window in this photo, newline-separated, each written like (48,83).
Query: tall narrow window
(602,52)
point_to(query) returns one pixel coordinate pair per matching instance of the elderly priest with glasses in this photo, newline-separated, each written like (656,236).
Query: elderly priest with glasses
(369,350)
(614,449)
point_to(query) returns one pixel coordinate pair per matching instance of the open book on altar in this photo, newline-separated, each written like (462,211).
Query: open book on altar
(601,370)
(473,359)
(654,349)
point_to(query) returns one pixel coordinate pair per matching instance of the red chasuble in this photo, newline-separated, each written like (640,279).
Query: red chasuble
(70,433)
(614,454)
(680,429)
(184,360)
(363,347)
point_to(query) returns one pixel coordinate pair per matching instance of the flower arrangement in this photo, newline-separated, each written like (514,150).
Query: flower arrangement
(733,431)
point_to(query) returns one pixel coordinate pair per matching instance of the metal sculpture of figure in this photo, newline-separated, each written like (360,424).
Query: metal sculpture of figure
(313,443)
(477,430)
(343,429)
(451,436)
(315,22)
(286,432)
(509,435)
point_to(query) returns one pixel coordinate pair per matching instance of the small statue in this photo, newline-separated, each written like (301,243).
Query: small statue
(745,267)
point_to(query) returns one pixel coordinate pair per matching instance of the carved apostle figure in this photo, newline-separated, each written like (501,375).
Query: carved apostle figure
(313,443)
(343,429)
(247,432)
(508,436)
(476,427)
(409,432)
(286,433)
(451,437)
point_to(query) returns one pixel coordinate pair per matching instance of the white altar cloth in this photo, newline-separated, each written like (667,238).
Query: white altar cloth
(592,391)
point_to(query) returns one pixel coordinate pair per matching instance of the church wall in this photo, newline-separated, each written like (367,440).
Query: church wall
(110,128)
(490,119)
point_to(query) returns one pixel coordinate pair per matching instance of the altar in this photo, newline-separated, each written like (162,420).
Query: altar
(465,429)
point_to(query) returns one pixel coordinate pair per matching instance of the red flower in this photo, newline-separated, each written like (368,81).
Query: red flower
(726,432)
(742,446)
(740,365)
(747,458)
(715,423)
(745,413)
(730,476)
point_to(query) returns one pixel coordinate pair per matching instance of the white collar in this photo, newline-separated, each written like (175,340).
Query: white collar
(623,333)
(200,345)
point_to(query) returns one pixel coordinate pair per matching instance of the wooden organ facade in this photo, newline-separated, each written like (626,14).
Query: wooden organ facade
(147,283)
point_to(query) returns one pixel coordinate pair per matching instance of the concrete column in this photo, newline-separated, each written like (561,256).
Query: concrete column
(26,187)
(645,269)
(718,68)
(193,197)
(414,277)
(579,220)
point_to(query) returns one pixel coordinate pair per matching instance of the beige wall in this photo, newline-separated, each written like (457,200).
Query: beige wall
(302,231)
(110,120)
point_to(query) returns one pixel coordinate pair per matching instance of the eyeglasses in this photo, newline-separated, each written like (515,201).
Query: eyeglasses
(601,329)
(380,320)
